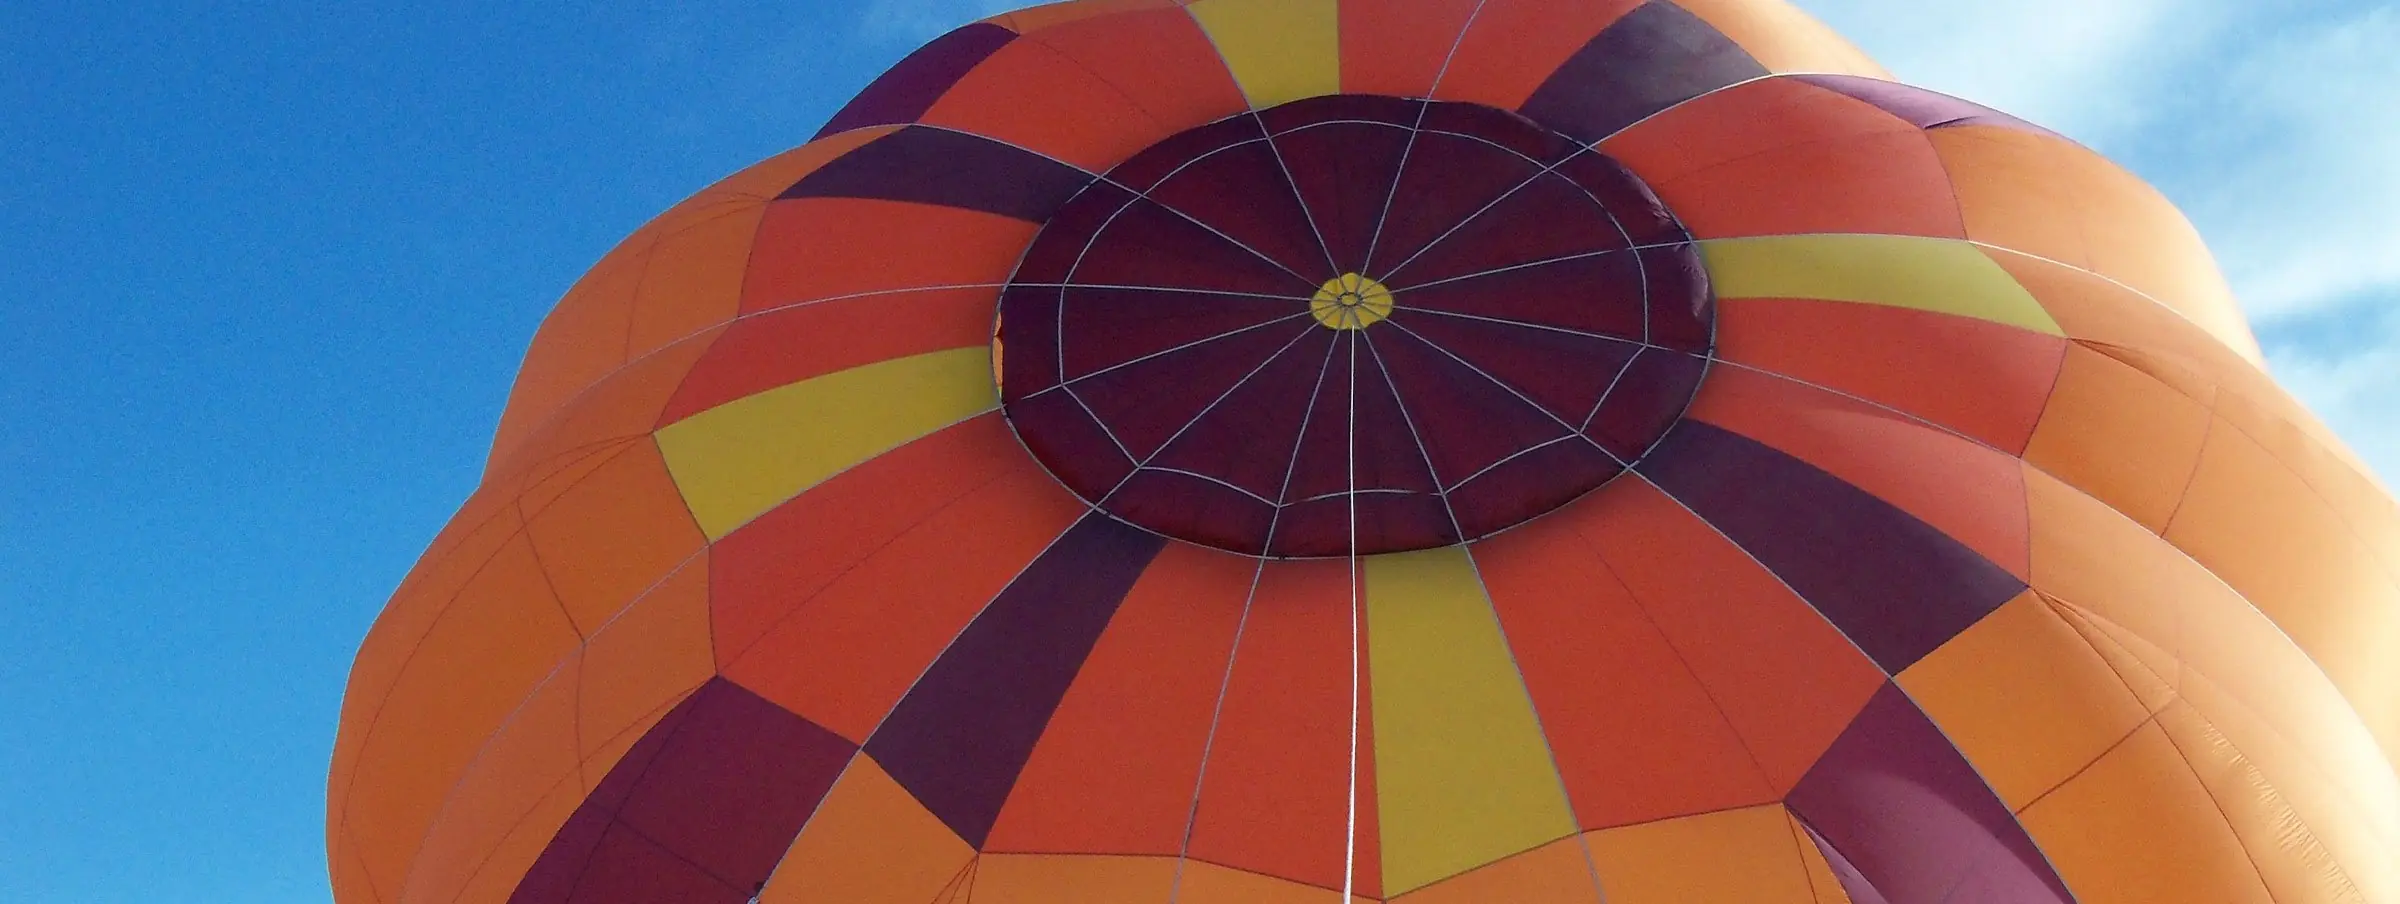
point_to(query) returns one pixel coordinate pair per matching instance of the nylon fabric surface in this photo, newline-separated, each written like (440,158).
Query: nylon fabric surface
(1443,451)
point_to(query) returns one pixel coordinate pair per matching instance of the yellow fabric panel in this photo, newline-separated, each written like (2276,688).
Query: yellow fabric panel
(1463,774)
(1944,276)
(1750,856)
(1279,50)
(735,462)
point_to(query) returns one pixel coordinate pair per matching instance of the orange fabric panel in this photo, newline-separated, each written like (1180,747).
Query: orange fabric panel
(1784,39)
(824,533)
(1031,96)
(2262,529)
(1115,770)
(693,279)
(1972,493)
(1273,795)
(654,653)
(2285,728)
(813,249)
(1750,856)
(622,405)
(350,879)
(616,313)
(2140,333)
(843,657)
(1784,677)
(2046,196)
(870,841)
(1208,883)
(1634,732)
(604,755)
(2026,698)
(2126,325)
(1398,48)
(1784,157)
(465,548)
(2143,788)
(520,766)
(2262,410)
(1979,378)
(614,535)
(491,647)
(1513,46)
(2312,839)
(2120,435)
(1064,879)
(778,348)
(545,483)
(499,868)
(1160,59)
(1556,873)
(1051,15)
(581,341)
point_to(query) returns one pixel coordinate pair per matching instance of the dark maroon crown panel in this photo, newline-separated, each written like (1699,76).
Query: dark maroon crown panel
(1442,314)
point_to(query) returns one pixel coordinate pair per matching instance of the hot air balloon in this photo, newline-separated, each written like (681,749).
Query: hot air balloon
(1434,451)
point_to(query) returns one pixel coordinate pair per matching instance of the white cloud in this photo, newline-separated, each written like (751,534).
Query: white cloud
(2073,65)
(2272,124)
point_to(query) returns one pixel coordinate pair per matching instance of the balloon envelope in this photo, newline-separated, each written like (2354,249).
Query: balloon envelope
(1443,451)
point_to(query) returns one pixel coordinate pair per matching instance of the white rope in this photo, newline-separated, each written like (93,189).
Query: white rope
(1350,848)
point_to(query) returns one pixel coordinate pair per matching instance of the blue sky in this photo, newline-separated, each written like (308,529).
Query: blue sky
(270,268)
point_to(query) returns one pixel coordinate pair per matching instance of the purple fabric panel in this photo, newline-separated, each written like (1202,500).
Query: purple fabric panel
(916,83)
(1147,244)
(1145,404)
(1399,506)
(1539,480)
(1567,373)
(700,809)
(732,788)
(1243,192)
(1549,219)
(1897,586)
(1446,180)
(1646,402)
(1683,307)
(1247,439)
(1110,327)
(554,875)
(951,169)
(1344,172)
(1655,57)
(1467,420)
(1062,434)
(1911,818)
(1069,231)
(1202,511)
(1925,109)
(628,868)
(960,737)
(1860,890)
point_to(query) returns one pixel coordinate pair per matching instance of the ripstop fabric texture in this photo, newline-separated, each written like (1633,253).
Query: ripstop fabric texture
(1453,451)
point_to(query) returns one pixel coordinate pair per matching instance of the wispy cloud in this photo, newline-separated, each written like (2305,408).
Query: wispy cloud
(2270,124)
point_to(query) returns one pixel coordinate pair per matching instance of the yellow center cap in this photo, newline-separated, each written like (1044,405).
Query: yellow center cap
(1351,302)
